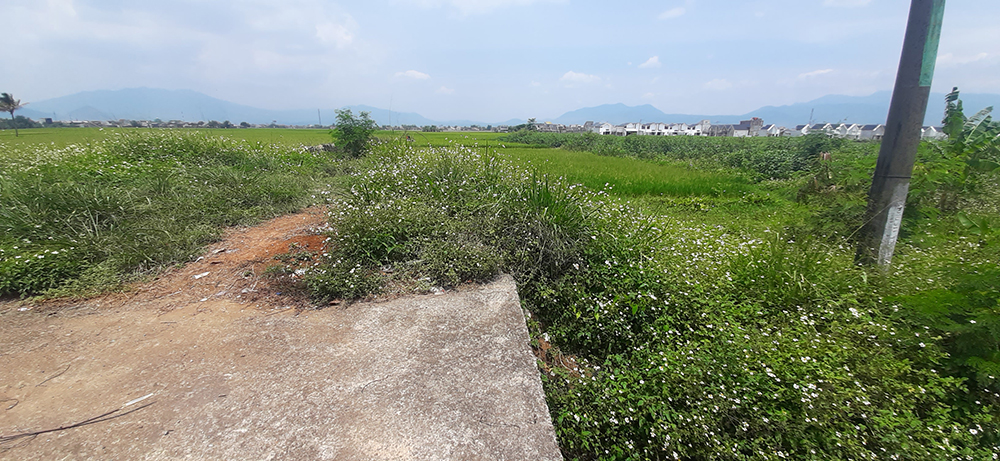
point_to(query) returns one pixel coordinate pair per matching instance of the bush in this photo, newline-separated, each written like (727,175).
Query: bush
(353,134)
(679,341)
(134,203)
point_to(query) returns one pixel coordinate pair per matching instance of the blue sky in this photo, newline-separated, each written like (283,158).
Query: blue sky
(487,60)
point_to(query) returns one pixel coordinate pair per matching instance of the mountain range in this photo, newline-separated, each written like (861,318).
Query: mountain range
(152,103)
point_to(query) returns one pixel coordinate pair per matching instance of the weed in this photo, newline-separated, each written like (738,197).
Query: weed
(135,202)
(690,340)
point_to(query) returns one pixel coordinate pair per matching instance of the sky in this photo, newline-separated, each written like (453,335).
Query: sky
(487,60)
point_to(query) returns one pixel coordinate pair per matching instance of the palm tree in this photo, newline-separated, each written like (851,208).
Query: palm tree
(9,104)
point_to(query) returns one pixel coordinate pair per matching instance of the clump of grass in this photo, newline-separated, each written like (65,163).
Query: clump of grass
(691,341)
(82,217)
(447,217)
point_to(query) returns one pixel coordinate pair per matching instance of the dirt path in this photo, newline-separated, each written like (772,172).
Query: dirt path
(222,366)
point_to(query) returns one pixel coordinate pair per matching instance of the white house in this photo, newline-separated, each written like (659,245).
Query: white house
(827,128)
(609,129)
(698,129)
(748,128)
(769,131)
(872,132)
(799,130)
(654,129)
(932,133)
(854,132)
(843,130)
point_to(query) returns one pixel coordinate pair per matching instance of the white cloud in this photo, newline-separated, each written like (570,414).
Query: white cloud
(949,59)
(718,84)
(814,73)
(445,90)
(846,3)
(329,32)
(648,96)
(575,77)
(416,75)
(651,63)
(536,84)
(673,13)
(470,7)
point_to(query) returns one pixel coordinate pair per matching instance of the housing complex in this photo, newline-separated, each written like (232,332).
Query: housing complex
(752,128)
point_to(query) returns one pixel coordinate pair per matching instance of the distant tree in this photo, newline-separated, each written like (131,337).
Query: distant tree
(530,126)
(954,116)
(227,124)
(134,123)
(19,121)
(244,125)
(214,124)
(429,128)
(353,134)
(9,104)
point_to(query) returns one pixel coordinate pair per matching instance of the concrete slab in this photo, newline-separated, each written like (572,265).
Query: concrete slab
(427,377)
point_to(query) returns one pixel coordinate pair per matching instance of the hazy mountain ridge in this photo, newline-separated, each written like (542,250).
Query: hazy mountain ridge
(869,109)
(187,105)
(151,103)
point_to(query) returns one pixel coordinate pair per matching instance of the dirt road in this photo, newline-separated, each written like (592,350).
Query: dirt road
(218,365)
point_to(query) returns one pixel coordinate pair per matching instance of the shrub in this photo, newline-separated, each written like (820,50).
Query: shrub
(354,134)
(135,202)
(681,341)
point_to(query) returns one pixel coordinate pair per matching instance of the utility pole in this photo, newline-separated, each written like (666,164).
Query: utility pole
(891,182)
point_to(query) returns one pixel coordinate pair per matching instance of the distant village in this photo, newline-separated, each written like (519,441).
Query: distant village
(754,127)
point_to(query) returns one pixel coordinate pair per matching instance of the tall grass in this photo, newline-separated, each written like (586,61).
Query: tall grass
(682,340)
(629,176)
(96,213)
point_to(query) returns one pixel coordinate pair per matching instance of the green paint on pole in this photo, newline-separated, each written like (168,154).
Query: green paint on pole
(931,46)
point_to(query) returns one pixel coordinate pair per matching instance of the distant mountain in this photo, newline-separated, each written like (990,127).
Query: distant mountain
(187,105)
(831,108)
(864,109)
(620,113)
(151,103)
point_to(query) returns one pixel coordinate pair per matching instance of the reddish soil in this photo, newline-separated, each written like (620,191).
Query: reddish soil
(62,362)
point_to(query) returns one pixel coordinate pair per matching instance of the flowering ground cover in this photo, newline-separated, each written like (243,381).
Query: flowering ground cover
(60,137)
(726,329)
(687,301)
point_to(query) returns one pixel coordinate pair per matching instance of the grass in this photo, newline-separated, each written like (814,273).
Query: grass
(628,176)
(86,217)
(678,337)
(445,139)
(695,313)
(60,137)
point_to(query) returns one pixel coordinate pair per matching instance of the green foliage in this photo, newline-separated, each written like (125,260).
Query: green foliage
(9,104)
(760,158)
(959,167)
(690,341)
(441,218)
(19,122)
(959,303)
(133,203)
(528,127)
(353,134)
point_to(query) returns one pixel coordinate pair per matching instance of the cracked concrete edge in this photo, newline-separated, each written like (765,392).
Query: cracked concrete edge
(510,305)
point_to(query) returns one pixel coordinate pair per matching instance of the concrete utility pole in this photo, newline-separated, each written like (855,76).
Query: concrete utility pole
(891,182)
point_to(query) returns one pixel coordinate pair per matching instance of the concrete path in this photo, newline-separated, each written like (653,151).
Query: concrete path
(428,377)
